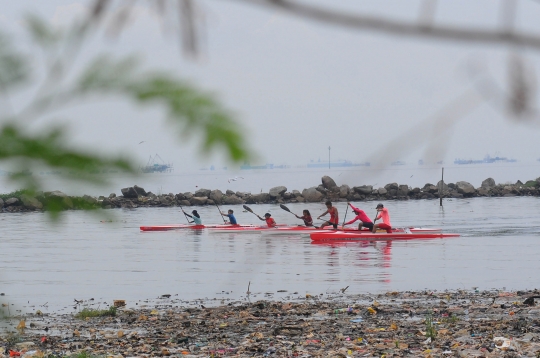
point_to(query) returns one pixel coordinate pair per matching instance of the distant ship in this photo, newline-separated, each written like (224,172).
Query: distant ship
(487,159)
(153,166)
(336,164)
(397,162)
(247,166)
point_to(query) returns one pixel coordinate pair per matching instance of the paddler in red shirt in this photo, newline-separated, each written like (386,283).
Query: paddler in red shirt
(269,220)
(383,213)
(334,217)
(365,221)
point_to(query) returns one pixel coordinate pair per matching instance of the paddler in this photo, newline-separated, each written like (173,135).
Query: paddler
(196,217)
(269,220)
(306,216)
(334,217)
(382,214)
(365,221)
(232,219)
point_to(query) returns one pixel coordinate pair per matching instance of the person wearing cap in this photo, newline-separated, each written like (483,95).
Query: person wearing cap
(334,217)
(196,217)
(365,221)
(230,215)
(383,214)
(269,220)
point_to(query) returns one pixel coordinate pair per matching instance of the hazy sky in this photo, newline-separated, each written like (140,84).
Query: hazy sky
(298,86)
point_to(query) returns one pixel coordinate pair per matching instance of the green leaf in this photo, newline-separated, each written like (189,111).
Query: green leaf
(42,33)
(14,69)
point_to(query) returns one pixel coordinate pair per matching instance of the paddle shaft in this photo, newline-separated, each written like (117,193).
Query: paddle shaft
(220,213)
(287,209)
(345,217)
(184,214)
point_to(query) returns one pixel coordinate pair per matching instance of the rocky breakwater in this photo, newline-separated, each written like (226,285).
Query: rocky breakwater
(135,196)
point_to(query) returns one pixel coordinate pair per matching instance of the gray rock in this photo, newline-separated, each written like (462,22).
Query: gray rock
(328,183)
(112,195)
(260,198)
(242,194)
(288,196)
(198,200)
(233,200)
(184,203)
(300,199)
(445,188)
(488,183)
(312,195)
(465,188)
(344,191)
(188,196)
(180,196)
(277,191)
(59,197)
(31,202)
(415,190)
(229,192)
(1,203)
(363,189)
(321,189)
(483,191)
(129,193)
(89,199)
(203,193)
(403,190)
(430,188)
(140,191)
(166,200)
(391,186)
(296,193)
(216,196)
(12,202)
(382,191)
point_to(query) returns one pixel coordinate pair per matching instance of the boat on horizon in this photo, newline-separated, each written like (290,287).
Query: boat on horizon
(487,160)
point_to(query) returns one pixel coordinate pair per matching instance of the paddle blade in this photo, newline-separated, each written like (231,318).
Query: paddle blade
(248,209)
(284,207)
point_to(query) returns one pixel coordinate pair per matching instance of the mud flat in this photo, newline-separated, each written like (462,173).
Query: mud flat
(469,323)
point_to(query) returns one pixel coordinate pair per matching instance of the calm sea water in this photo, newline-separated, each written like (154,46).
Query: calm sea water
(82,258)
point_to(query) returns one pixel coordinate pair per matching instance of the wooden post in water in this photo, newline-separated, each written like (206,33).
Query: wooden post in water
(441,187)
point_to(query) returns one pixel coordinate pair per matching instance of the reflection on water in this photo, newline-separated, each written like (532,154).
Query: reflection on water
(85,258)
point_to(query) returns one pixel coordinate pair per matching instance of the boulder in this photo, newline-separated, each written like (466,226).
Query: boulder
(488,183)
(233,200)
(382,191)
(112,195)
(391,186)
(415,190)
(184,203)
(483,191)
(89,199)
(129,193)
(288,196)
(229,192)
(344,191)
(442,184)
(241,194)
(11,202)
(277,191)
(260,198)
(312,195)
(140,191)
(166,200)
(216,196)
(528,184)
(300,199)
(188,196)
(363,189)
(31,203)
(60,199)
(465,188)
(203,193)
(296,193)
(329,183)
(403,190)
(180,196)
(1,203)
(198,200)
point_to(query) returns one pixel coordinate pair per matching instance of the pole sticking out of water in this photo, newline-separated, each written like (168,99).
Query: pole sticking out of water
(441,187)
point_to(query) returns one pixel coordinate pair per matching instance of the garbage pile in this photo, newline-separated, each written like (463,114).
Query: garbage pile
(394,324)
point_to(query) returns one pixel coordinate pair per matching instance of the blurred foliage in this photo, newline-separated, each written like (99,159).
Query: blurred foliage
(191,112)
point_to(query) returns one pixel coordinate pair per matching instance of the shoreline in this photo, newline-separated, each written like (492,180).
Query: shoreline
(463,323)
(135,196)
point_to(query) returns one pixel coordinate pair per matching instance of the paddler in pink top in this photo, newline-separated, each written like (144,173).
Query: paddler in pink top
(383,214)
(334,218)
(365,221)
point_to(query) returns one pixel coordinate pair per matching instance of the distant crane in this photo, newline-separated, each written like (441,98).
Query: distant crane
(157,165)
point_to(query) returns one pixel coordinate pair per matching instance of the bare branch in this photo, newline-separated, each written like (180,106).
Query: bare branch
(402,28)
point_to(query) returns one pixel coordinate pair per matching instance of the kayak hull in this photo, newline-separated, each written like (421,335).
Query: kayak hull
(303,230)
(191,227)
(337,236)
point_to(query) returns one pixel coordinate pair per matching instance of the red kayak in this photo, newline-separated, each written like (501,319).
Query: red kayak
(323,236)
(192,227)
(286,230)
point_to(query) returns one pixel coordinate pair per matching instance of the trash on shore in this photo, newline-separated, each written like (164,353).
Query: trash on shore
(394,324)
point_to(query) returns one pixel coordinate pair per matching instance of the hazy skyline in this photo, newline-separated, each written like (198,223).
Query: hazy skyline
(298,87)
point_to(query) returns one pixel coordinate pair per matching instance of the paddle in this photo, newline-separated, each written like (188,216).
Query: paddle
(345,217)
(184,213)
(249,209)
(287,209)
(220,213)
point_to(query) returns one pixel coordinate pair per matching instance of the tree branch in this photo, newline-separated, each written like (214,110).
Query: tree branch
(402,28)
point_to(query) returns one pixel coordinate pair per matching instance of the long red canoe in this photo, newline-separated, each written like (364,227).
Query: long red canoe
(323,236)
(192,227)
(306,230)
